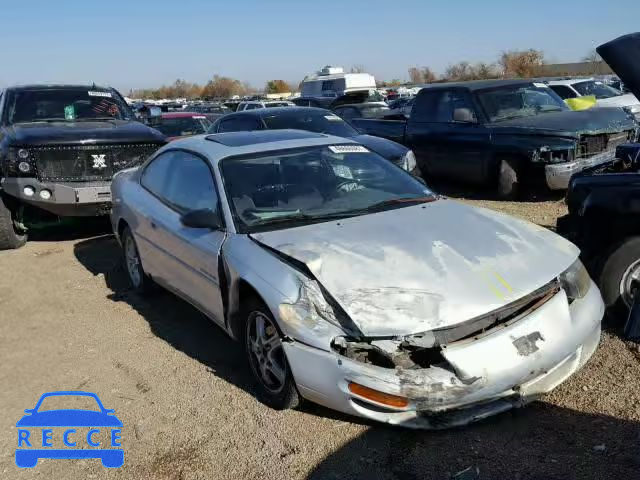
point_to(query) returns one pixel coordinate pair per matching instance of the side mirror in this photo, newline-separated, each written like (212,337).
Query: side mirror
(28,410)
(632,327)
(203,218)
(464,115)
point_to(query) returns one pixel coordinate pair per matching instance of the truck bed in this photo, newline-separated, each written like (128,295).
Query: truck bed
(389,129)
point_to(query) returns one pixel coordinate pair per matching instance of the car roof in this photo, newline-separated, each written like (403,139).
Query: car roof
(363,104)
(480,84)
(263,112)
(54,86)
(181,114)
(220,145)
(569,81)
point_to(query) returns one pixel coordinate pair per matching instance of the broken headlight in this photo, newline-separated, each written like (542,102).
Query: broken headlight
(547,155)
(315,305)
(575,281)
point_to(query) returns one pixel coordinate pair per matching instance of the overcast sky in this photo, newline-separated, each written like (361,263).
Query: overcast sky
(142,43)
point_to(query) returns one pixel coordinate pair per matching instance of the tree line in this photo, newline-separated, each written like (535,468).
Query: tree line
(217,87)
(510,64)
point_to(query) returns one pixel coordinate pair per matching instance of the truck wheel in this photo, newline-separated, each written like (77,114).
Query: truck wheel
(620,277)
(12,232)
(508,180)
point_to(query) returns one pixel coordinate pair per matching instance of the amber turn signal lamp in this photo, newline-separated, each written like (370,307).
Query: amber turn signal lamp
(378,397)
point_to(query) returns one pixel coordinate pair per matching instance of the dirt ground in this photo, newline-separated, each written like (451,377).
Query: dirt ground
(181,389)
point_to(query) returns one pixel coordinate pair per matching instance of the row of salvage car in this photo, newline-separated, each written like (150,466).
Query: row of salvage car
(352,284)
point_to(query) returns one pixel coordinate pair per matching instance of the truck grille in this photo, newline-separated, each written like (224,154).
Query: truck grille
(82,163)
(593,144)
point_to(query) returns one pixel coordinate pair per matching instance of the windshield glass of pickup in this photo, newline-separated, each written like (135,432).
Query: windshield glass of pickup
(320,121)
(315,184)
(64,104)
(516,101)
(598,89)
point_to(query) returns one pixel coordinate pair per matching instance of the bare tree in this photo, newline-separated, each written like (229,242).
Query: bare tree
(592,57)
(523,64)
(277,86)
(428,76)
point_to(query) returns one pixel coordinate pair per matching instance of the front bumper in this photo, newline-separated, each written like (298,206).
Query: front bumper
(68,199)
(489,374)
(558,175)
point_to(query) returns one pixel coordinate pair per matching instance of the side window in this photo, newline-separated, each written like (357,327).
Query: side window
(563,91)
(438,106)
(240,123)
(156,174)
(191,185)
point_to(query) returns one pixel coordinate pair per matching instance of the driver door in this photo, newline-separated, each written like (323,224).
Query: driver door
(188,256)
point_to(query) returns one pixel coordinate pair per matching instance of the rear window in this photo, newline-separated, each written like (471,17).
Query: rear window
(64,104)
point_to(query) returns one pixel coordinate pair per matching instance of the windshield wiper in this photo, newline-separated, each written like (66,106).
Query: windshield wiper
(305,217)
(376,207)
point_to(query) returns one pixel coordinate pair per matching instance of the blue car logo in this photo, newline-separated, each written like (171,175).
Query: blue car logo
(66,428)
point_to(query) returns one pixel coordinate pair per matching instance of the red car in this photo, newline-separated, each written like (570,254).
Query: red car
(175,125)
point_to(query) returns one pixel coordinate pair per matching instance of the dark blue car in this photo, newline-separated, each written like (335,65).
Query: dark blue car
(71,418)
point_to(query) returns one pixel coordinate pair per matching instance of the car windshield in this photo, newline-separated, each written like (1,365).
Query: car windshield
(516,101)
(69,402)
(65,104)
(598,89)
(314,184)
(183,126)
(315,121)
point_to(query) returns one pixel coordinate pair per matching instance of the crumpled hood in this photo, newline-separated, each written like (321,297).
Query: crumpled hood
(61,133)
(625,100)
(593,121)
(428,266)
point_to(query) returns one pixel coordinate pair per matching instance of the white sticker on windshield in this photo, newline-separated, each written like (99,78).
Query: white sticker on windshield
(598,83)
(333,118)
(94,93)
(540,85)
(348,149)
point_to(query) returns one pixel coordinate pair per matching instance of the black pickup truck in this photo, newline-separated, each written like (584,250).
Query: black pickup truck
(59,147)
(504,133)
(604,204)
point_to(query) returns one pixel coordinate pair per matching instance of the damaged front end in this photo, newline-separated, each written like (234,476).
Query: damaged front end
(457,375)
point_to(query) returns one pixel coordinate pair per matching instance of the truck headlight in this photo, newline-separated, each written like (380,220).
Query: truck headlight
(408,162)
(575,281)
(633,111)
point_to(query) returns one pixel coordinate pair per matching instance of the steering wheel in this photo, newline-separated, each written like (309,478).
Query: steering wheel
(342,183)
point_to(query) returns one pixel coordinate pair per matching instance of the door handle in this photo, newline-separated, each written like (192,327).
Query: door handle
(153,225)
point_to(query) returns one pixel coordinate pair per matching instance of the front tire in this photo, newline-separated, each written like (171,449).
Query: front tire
(12,233)
(138,279)
(272,375)
(620,277)
(508,182)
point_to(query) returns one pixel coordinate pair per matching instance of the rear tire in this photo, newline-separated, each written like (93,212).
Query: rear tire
(508,183)
(12,234)
(619,271)
(268,363)
(138,279)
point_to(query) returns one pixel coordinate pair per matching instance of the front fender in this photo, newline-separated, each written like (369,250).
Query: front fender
(277,284)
